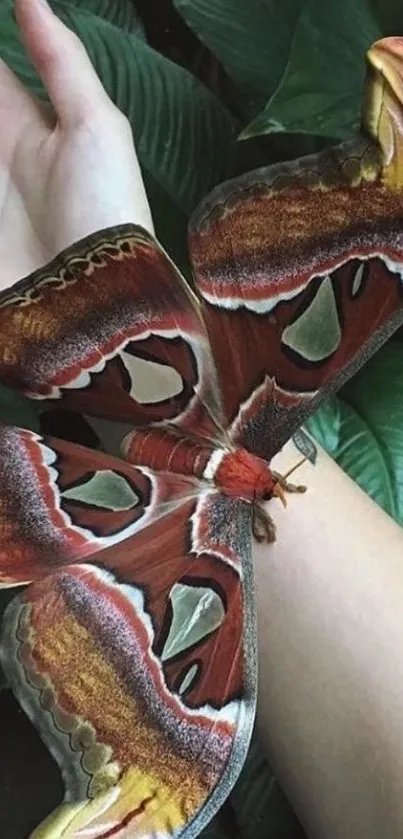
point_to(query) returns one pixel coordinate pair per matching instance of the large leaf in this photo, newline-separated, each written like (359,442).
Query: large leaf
(6,595)
(17,410)
(223,825)
(182,133)
(320,91)
(363,429)
(252,40)
(175,119)
(31,784)
(260,807)
(120,12)
(389,14)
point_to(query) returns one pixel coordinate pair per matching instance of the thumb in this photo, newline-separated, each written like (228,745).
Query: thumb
(61,61)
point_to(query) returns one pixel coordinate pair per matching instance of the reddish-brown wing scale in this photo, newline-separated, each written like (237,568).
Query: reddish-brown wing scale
(60,502)
(77,328)
(301,267)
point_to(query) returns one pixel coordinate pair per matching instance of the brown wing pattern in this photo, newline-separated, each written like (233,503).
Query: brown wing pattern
(300,266)
(112,329)
(61,502)
(151,734)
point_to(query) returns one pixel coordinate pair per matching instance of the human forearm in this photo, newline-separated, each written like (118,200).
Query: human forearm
(331,670)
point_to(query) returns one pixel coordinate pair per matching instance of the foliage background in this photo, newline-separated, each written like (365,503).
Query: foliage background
(214,88)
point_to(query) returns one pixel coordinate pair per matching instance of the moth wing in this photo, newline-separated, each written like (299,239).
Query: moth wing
(111,329)
(139,670)
(60,502)
(300,266)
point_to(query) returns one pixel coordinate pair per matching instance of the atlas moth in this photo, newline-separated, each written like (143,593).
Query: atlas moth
(133,649)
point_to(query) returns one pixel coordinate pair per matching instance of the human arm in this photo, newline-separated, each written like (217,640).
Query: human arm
(66,171)
(329,595)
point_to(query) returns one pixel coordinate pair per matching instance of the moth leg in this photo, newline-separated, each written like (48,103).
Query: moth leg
(263,527)
(286,485)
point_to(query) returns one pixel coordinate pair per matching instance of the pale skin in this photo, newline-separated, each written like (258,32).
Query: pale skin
(67,174)
(329,591)
(329,595)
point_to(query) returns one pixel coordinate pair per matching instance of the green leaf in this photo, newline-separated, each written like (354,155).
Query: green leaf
(326,423)
(222,826)
(389,14)
(321,89)
(175,120)
(260,807)
(363,429)
(6,595)
(252,40)
(171,223)
(120,12)
(16,410)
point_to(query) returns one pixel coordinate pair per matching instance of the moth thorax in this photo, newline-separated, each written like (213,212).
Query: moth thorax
(244,475)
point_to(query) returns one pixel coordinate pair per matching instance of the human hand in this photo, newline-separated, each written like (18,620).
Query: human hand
(66,174)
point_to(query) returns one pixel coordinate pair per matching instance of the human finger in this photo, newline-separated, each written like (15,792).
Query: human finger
(61,61)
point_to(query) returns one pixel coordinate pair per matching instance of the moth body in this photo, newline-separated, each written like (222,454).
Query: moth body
(235,472)
(241,474)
